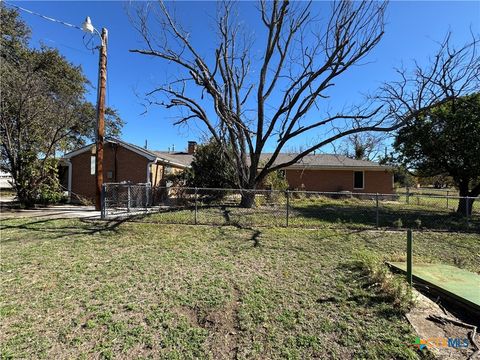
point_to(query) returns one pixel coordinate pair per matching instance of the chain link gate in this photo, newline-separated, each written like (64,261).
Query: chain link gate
(125,199)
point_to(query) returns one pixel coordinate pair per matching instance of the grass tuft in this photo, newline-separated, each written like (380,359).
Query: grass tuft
(392,287)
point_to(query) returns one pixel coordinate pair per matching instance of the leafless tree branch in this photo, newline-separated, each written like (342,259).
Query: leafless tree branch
(301,60)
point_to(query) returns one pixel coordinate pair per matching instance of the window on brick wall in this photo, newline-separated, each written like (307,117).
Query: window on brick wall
(358,180)
(92,165)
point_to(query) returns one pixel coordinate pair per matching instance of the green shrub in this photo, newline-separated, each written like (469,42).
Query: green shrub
(259,200)
(50,195)
(418,223)
(49,190)
(398,223)
(276,181)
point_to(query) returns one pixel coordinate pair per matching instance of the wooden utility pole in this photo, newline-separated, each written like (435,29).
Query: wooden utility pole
(102,84)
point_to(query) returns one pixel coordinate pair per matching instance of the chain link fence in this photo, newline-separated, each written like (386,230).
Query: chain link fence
(246,208)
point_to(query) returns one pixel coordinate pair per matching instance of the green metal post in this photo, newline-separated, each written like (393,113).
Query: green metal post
(409,256)
(376,209)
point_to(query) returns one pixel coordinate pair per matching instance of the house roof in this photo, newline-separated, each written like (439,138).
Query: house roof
(181,158)
(150,155)
(141,151)
(317,161)
(312,161)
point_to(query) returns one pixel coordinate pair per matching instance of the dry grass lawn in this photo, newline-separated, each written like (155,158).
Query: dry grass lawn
(77,289)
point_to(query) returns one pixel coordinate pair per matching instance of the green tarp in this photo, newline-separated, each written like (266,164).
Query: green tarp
(458,283)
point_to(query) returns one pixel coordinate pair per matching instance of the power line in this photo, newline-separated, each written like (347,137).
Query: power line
(44,17)
(85,43)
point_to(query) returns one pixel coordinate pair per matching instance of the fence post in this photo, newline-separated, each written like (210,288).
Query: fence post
(128,197)
(409,256)
(447,199)
(467,207)
(408,195)
(376,209)
(103,202)
(196,206)
(147,189)
(287,194)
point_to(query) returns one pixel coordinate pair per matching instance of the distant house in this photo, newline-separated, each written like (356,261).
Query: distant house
(6,180)
(125,162)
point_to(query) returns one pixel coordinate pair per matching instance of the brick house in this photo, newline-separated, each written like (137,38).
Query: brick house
(332,173)
(125,162)
(122,162)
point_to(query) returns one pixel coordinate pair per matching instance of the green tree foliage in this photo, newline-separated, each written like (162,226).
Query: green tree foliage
(210,168)
(401,176)
(445,141)
(43,109)
(276,181)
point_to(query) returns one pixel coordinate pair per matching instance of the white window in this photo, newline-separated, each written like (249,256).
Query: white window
(92,165)
(358,180)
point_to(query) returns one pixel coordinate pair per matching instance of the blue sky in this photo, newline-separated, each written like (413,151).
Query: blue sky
(411,33)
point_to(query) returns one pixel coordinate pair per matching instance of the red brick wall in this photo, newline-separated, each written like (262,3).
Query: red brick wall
(339,180)
(130,167)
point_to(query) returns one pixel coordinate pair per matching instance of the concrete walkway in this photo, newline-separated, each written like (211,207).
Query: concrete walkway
(52,212)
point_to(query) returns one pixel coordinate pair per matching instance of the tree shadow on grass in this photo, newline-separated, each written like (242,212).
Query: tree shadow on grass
(364,216)
(58,229)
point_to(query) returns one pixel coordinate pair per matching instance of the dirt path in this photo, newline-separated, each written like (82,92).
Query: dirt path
(51,212)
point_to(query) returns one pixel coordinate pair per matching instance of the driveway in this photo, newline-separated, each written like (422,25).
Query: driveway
(52,212)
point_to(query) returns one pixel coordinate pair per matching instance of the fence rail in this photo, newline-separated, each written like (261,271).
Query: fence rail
(290,208)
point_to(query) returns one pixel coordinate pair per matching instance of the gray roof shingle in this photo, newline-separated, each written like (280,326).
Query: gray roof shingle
(183,159)
(320,160)
(180,158)
(309,161)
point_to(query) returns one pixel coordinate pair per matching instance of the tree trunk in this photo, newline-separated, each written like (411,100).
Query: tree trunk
(25,198)
(248,199)
(462,206)
(465,203)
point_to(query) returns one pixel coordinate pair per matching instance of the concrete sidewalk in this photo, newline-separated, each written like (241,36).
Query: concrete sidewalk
(52,212)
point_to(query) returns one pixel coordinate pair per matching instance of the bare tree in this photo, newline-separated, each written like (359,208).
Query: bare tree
(282,99)
(362,146)
(450,74)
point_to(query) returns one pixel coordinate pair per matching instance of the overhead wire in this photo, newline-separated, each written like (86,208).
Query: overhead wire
(44,17)
(86,43)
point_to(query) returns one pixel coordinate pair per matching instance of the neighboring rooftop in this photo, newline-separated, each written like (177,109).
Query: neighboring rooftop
(181,158)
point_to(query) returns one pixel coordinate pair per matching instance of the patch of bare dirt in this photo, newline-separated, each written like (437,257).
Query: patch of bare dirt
(222,325)
(189,314)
